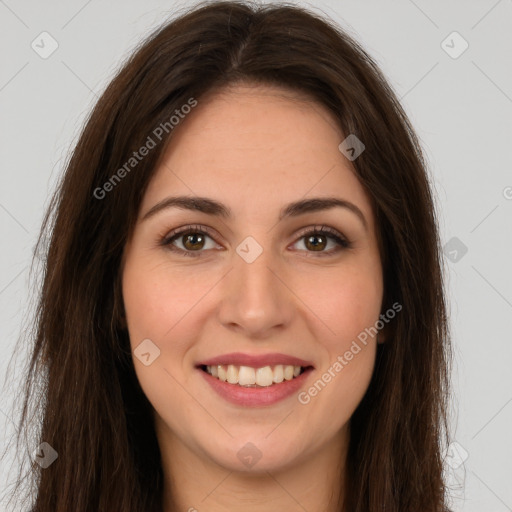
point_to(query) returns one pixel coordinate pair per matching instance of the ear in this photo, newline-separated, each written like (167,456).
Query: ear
(121,320)
(384,334)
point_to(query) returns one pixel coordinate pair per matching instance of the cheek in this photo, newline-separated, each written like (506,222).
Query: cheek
(156,298)
(348,302)
(348,380)
(157,301)
(345,300)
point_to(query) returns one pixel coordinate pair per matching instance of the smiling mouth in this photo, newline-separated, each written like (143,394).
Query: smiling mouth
(247,376)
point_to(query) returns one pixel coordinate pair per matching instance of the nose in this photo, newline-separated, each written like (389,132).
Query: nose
(256,298)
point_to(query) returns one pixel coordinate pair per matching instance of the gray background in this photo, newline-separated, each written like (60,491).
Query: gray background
(462,111)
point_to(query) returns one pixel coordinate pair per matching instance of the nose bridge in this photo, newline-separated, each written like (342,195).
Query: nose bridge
(255,297)
(256,274)
(252,271)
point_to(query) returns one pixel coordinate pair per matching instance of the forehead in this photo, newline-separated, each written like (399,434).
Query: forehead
(257,147)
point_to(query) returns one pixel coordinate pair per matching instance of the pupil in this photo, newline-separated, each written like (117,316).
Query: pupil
(194,237)
(315,245)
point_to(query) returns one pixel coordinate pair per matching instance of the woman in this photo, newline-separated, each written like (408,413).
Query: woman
(243,302)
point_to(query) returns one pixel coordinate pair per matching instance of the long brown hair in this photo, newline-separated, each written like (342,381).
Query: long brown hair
(81,379)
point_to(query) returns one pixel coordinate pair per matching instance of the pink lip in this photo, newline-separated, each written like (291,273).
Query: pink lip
(258,396)
(255,361)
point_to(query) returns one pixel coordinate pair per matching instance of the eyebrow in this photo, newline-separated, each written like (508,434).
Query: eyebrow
(213,207)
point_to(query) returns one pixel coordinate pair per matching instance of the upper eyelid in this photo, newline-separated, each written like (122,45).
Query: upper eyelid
(190,229)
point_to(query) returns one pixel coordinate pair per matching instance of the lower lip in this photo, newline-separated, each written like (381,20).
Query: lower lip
(240,395)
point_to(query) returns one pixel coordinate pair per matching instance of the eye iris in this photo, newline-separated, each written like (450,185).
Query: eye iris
(316,246)
(195,237)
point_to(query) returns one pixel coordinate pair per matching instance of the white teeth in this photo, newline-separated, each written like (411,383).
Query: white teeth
(253,377)
(264,376)
(279,373)
(232,374)
(246,375)
(221,372)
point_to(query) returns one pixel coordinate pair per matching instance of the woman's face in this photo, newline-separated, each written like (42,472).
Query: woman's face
(257,284)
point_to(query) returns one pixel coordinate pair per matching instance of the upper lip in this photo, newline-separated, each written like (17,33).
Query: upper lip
(255,361)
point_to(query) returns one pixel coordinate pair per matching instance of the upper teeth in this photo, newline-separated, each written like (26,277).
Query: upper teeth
(247,376)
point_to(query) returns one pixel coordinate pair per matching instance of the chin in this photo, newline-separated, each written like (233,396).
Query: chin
(255,454)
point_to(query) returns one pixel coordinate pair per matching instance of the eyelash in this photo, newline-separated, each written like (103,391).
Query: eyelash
(167,240)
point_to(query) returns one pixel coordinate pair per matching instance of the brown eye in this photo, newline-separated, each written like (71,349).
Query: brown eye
(312,242)
(318,239)
(193,241)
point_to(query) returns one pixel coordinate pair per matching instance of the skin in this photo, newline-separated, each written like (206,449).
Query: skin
(255,149)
